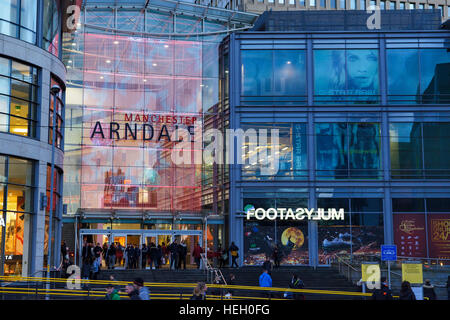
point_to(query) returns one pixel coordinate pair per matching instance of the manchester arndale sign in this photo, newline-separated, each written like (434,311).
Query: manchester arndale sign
(295,214)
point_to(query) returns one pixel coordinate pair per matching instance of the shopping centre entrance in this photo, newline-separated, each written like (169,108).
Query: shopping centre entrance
(138,238)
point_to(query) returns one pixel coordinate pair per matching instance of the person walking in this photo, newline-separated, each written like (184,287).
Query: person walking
(127,255)
(223,258)
(132,292)
(199,291)
(428,291)
(95,269)
(119,254)
(86,269)
(64,251)
(111,256)
(111,293)
(144,256)
(234,251)
(143,292)
(296,283)
(197,254)
(159,256)
(137,256)
(267,265)
(276,255)
(173,249)
(265,281)
(105,254)
(98,253)
(406,292)
(383,293)
(182,252)
(153,252)
(164,252)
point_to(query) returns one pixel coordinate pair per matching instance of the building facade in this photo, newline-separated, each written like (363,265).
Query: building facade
(363,121)
(32,92)
(137,72)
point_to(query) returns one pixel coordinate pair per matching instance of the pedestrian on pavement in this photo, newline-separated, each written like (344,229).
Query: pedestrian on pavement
(296,283)
(267,265)
(428,291)
(111,293)
(265,281)
(105,254)
(164,252)
(144,256)
(199,291)
(86,269)
(153,252)
(132,292)
(173,249)
(98,253)
(138,284)
(197,254)
(406,292)
(383,293)
(234,251)
(95,269)
(119,254)
(182,252)
(64,251)
(276,255)
(137,256)
(111,256)
(160,260)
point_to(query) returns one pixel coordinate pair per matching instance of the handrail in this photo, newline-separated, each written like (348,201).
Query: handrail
(346,263)
(3,278)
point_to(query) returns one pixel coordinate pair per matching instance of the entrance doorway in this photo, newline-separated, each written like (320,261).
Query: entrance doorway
(136,238)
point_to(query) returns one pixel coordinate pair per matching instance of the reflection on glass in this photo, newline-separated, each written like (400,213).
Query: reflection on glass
(436,137)
(404,68)
(406,150)
(346,76)
(344,152)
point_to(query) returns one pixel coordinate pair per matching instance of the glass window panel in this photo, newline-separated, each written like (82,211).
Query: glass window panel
(333,4)
(14,241)
(22,72)
(8,14)
(392,5)
(5,67)
(131,20)
(18,126)
(344,76)
(19,198)
(406,150)
(436,150)
(364,150)
(366,205)
(342,4)
(402,5)
(382,5)
(438,204)
(353,4)
(332,150)
(4,110)
(403,75)
(408,205)
(20,171)
(362,5)
(289,72)
(2,175)
(28,14)
(21,90)
(434,75)
(257,71)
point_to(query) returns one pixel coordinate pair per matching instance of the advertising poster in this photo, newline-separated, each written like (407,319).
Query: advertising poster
(412,272)
(438,235)
(410,235)
(293,242)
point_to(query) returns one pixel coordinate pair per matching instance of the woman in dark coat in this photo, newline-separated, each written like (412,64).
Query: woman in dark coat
(406,292)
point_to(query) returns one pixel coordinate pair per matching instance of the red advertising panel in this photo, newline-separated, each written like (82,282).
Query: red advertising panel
(410,235)
(439,235)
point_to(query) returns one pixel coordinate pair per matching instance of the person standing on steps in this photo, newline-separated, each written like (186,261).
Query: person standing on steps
(182,252)
(197,254)
(428,291)
(234,251)
(406,292)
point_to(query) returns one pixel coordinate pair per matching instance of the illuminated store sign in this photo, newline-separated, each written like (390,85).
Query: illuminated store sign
(295,214)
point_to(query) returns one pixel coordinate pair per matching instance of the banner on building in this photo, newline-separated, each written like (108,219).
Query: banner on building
(438,235)
(410,235)
(370,272)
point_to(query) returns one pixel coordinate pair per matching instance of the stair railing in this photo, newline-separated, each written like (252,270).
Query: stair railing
(342,264)
(210,271)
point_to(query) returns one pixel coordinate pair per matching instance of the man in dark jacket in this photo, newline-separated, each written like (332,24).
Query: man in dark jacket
(234,251)
(173,249)
(384,293)
(267,265)
(182,252)
(137,255)
(111,256)
(428,291)
(144,256)
(153,251)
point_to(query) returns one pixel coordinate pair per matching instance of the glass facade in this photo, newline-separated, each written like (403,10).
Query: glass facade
(356,143)
(18,98)
(417,76)
(19,19)
(291,152)
(421,227)
(360,234)
(16,204)
(419,150)
(262,236)
(268,76)
(348,150)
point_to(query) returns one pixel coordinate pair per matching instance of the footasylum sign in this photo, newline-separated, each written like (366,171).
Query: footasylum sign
(294,214)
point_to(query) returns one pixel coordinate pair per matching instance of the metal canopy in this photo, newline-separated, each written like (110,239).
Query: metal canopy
(177,7)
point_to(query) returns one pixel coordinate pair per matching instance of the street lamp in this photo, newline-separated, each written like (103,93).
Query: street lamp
(54,92)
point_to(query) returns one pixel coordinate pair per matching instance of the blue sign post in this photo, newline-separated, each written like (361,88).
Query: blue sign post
(389,253)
